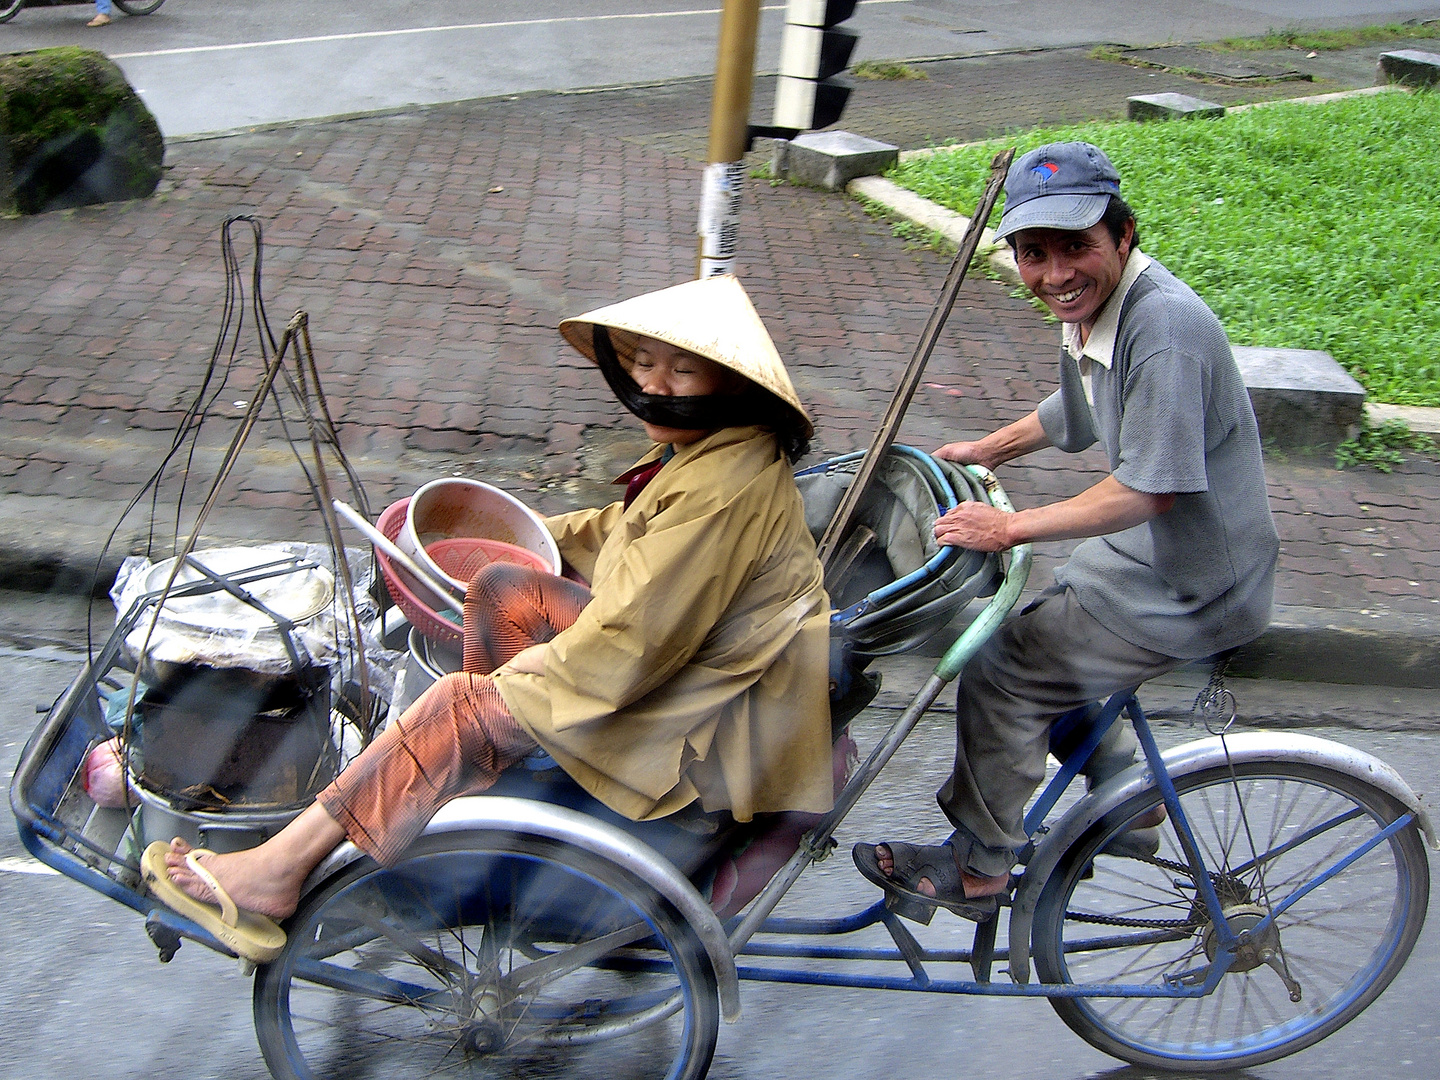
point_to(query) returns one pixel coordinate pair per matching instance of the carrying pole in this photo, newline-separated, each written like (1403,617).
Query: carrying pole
(729,138)
(889,427)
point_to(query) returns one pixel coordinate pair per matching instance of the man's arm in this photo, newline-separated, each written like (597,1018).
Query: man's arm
(1012,441)
(1107,507)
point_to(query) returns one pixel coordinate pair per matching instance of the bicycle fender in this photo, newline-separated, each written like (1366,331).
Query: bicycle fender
(1245,746)
(502,813)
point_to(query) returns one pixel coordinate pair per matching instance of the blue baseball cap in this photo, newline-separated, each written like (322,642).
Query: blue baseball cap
(1059,186)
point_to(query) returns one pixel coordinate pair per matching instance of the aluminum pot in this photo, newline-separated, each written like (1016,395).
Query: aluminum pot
(456,507)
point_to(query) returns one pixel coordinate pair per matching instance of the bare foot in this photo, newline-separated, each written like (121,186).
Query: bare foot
(248,876)
(976,887)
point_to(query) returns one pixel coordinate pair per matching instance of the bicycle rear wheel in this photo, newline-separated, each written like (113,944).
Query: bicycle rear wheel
(488,955)
(1263,832)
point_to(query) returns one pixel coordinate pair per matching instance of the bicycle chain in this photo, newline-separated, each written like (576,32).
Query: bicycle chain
(1222,885)
(1149,924)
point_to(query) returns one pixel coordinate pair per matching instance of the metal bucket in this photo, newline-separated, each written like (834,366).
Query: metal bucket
(230,830)
(426,663)
(227,739)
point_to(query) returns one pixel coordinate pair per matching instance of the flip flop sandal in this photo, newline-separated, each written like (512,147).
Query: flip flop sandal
(911,863)
(247,934)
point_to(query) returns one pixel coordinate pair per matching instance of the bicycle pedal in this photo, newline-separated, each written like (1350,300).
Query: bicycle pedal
(909,908)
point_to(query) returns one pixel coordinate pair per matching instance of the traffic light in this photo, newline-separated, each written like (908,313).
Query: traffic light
(813,50)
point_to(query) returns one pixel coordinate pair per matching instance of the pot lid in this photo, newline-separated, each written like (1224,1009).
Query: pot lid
(272,575)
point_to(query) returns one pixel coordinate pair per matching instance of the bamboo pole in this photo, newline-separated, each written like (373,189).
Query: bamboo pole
(890,426)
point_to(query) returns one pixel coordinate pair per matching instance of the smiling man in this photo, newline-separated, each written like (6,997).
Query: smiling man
(1180,559)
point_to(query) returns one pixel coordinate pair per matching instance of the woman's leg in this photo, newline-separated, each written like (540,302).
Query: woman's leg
(455,740)
(508,608)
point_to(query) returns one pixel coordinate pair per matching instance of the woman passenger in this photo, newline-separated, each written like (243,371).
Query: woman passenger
(695,667)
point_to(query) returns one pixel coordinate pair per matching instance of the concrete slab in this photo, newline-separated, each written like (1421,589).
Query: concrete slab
(1411,67)
(1415,417)
(1171,107)
(1208,63)
(1302,397)
(831,159)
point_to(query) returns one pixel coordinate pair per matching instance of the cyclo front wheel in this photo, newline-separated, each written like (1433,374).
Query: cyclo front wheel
(1264,831)
(485,954)
(138,7)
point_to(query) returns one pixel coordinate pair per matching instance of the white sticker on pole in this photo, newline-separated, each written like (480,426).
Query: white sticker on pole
(720,217)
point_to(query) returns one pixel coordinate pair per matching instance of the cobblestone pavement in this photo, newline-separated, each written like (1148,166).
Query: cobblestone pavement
(435,251)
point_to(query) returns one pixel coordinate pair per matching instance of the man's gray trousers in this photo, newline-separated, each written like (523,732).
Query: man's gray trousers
(1040,664)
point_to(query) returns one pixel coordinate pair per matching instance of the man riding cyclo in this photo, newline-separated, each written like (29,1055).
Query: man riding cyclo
(693,669)
(1180,560)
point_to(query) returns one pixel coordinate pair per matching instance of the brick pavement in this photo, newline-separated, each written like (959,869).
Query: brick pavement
(436,250)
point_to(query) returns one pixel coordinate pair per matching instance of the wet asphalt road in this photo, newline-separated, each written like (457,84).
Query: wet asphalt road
(206,66)
(83,995)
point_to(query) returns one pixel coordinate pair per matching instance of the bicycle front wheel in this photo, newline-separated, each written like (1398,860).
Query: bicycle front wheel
(138,7)
(1264,831)
(488,955)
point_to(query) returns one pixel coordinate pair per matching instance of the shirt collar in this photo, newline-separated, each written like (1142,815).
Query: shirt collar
(1100,347)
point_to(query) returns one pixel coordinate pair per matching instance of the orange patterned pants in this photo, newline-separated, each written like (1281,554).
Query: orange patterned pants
(458,736)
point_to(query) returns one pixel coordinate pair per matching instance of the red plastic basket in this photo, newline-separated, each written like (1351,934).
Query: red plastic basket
(462,557)
(404,589)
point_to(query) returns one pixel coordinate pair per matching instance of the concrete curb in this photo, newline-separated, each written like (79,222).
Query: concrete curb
(1328,646)
(933,216)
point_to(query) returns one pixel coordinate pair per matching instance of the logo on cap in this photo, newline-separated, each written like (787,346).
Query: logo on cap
(1045,170)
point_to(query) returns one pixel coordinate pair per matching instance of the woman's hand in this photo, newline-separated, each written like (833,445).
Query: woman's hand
(529,661)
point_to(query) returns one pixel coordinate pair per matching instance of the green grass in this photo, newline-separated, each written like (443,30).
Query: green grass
(1302,226)
(1323,40)
(886,71)
(1380,447)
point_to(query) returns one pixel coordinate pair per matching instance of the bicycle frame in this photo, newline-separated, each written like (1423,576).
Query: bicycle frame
(984,953)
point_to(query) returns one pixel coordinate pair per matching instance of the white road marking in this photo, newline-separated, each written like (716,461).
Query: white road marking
(445,30)
(24,864)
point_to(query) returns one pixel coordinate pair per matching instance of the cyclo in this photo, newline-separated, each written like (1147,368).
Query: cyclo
(532,931)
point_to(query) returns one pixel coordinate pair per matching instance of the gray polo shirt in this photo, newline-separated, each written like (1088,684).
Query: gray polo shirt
(1173,416)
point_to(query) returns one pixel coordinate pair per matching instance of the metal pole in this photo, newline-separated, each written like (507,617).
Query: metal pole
(729,121)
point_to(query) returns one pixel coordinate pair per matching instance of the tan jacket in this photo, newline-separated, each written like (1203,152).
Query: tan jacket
(700,668)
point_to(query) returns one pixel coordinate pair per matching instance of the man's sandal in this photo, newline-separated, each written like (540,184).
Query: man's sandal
(912,862)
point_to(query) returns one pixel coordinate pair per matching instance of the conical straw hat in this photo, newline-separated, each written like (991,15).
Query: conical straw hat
(711,317)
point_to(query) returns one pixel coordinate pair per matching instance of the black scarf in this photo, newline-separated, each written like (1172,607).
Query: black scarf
(701,412)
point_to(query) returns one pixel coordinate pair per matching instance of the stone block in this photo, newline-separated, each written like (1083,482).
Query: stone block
(831,159)
(1171,107)
(72,132)
(1302,397)
(1409,66)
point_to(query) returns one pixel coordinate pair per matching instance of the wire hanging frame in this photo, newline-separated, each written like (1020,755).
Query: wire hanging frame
(290,392)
